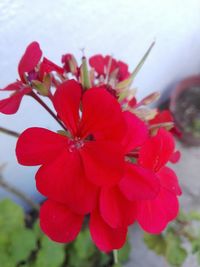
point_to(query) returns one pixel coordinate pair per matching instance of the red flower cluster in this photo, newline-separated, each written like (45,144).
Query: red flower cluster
(106,163)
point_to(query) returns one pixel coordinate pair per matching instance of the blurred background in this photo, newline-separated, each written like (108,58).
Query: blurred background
(123,28)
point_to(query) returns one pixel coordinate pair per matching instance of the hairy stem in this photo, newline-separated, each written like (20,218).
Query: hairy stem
(9,132)
(44,105)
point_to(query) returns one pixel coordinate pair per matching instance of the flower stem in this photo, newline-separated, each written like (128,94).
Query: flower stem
(9,132)
(115,256)
(18,193)
(44,105)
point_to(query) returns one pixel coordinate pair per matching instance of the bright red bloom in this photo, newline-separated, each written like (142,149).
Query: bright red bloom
(73,167)
(117,203)
(101,66)
(28,70)
(62,225)
(28,62)
(154,215)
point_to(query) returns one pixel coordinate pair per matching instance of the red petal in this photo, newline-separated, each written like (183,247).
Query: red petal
(37,146)
(66,101)
(97,62)
(139,183)
(30,59)
(154,215)
(113,66)
(136,132)
(11,104)
(105,237)
(102,115)
(103,162)
(115,209)
(64,180)
(169,180)
(13,86)
(123,70)
(58,222)
(162,116)
(157,150)
(175,157)
(48,66)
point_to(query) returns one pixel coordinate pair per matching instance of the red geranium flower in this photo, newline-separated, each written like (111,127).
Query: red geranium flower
(74,166)
(117,204)
(28,66)
(63,225)
(102,66)
(154,215)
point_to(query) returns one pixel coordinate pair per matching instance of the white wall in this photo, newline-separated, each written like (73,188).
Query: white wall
(124,28)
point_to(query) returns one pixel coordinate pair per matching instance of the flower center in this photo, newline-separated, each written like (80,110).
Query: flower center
(75,144)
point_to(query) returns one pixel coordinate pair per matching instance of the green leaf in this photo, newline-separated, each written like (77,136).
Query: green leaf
(51,254)
(22,244)
(83,245)
(124,252)
(126,83)
(6,261)
(11,216)
(156,243)
(175,253)
(194,215)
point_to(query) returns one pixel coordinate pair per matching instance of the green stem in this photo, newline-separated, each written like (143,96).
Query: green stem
(115,256)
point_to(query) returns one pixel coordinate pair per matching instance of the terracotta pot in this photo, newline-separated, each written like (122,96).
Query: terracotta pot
(185,106)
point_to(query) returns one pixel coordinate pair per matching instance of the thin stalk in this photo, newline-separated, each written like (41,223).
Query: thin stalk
(18,193)
(115,256)
(44,105)
(9,132)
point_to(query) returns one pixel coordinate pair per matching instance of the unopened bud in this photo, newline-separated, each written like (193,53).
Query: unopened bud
(150,98)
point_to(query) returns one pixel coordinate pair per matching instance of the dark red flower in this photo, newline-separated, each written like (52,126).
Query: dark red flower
(73,167)
(104,65)
(153,215)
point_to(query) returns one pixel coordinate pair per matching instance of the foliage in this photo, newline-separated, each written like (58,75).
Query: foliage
(171,243)
(21,246)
